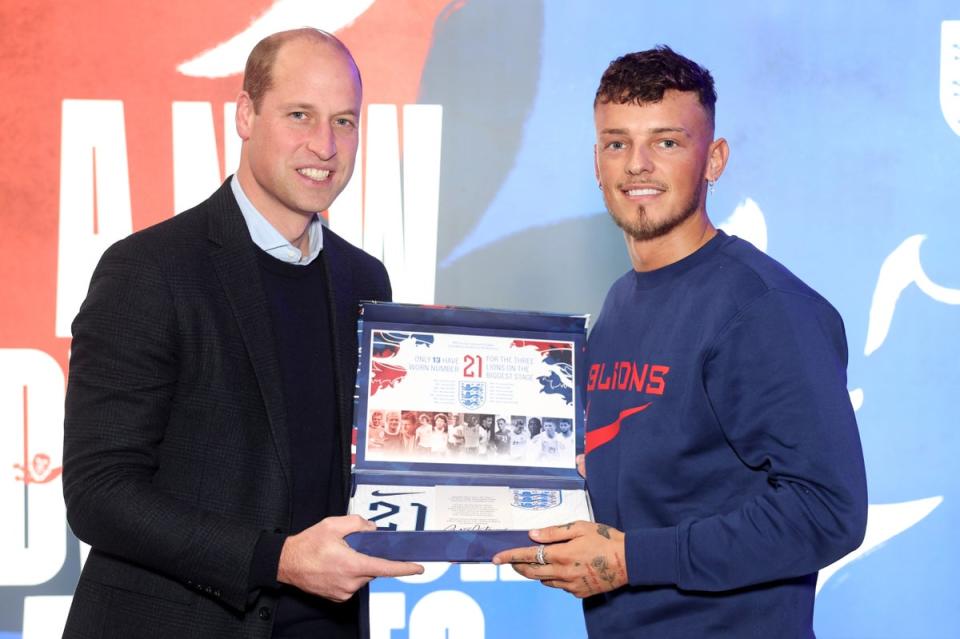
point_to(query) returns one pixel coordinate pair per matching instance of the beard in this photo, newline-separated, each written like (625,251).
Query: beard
(640,227)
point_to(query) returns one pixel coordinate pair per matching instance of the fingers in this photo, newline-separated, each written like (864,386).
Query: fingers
(537,572)
(343,526)
(553,534)
(582,465)
(582,558)
(552,576)
(526,555)
(376,567)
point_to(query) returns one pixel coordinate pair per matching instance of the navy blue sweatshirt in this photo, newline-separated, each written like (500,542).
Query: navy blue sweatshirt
(722,441)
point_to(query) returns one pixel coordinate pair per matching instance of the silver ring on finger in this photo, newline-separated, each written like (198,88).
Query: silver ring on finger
(541,556)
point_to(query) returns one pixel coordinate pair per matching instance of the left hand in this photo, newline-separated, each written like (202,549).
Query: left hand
(581,557)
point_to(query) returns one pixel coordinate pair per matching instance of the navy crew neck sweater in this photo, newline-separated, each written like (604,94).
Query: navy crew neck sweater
(297,297)
(722,441)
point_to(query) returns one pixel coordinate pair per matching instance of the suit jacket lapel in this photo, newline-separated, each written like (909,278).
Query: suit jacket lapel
(235,260)
(341,301)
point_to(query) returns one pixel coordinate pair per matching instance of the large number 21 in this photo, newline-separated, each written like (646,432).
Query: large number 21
(468,368)
(393,509)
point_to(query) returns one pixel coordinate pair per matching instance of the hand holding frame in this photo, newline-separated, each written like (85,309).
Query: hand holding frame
(581,557)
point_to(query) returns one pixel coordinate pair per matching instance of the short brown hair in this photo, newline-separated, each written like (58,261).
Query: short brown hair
(258,73)
(643,77)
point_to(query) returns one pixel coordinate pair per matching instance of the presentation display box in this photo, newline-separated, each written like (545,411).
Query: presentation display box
(468,424)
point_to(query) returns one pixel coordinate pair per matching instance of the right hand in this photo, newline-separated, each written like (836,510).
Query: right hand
(320,562)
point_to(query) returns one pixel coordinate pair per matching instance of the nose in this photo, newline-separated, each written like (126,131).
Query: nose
(640,161)
(322,141)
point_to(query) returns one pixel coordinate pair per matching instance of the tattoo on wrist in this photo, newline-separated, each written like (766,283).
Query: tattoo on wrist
(603,531)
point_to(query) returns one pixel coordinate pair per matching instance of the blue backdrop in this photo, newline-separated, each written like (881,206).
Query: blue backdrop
(842,149)
(843,120)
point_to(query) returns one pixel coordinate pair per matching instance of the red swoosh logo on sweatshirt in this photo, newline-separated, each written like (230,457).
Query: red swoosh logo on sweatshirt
(600,436)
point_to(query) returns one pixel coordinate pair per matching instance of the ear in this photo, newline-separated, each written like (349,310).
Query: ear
(717,159)
(245,115)
(596,166)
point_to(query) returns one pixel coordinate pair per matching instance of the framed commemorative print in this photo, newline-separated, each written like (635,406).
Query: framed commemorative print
(468,426)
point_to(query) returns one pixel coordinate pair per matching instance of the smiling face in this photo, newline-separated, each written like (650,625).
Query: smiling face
(393,424)
(299,146)
(653,161)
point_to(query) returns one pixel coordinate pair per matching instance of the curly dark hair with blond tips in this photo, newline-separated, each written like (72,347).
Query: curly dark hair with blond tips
(644,76)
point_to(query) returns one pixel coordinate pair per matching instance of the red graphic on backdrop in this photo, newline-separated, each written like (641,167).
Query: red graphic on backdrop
(39,472)
(118,51)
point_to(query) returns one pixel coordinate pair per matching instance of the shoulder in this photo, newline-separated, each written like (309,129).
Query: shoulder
(170,240)
(744,276)
(762,302)
(742,266)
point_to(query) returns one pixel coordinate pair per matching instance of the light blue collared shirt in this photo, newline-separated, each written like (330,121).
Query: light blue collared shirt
(269,239)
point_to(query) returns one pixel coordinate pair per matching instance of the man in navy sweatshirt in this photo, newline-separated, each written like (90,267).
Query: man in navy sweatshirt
(723,459)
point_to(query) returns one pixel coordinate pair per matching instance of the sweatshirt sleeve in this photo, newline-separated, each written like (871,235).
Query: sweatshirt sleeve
(775,379)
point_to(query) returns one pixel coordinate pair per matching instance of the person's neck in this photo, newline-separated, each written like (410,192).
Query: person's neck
(684,240)
(294,227)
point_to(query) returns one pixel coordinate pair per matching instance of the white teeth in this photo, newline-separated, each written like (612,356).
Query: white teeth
(314,174)
(638,192)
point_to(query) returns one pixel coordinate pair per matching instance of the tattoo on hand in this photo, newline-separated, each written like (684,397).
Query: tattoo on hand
(566,526)
(603,531)
(601,566)
(589,588)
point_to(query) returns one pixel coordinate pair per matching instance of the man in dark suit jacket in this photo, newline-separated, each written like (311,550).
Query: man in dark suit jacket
(208,415)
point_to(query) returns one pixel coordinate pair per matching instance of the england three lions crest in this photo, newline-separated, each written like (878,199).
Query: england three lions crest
(473,395)
(536,499)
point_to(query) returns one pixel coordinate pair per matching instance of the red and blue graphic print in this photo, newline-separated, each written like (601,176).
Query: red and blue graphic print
(558,358)
(387,345)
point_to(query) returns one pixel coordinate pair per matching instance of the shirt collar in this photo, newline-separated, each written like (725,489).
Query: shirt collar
(269,239)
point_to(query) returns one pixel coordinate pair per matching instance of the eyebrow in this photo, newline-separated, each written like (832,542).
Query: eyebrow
(304,106)
(655,131)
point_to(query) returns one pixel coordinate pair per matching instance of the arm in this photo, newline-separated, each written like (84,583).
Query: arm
(776,382)
(122,383)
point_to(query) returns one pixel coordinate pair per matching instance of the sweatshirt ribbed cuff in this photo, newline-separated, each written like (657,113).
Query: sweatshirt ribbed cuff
(651,556)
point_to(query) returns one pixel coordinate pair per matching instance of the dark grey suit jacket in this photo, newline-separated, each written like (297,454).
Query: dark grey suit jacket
(175,447)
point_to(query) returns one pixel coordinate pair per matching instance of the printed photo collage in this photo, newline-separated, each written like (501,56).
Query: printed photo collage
(470,438)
